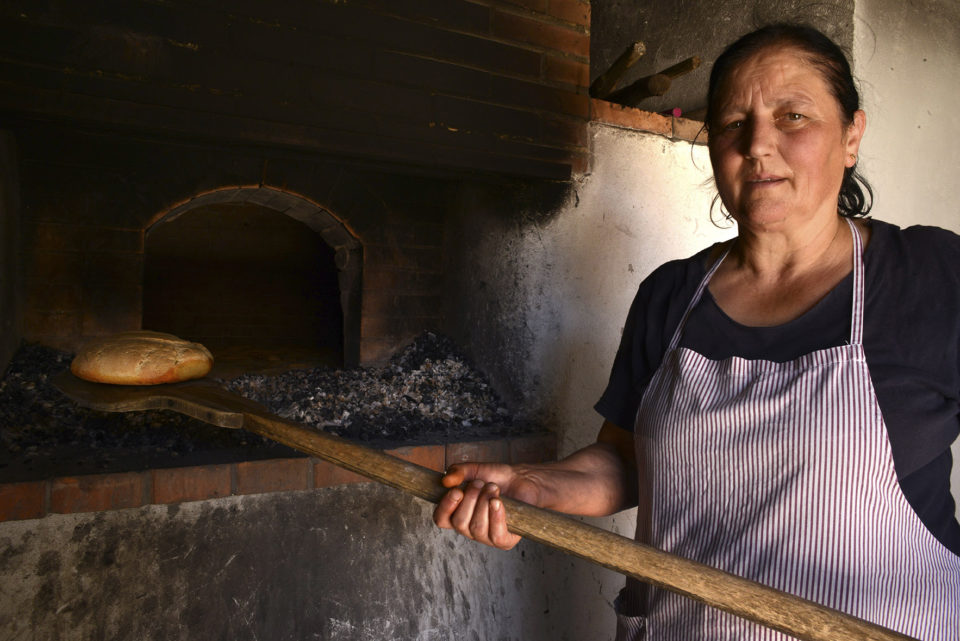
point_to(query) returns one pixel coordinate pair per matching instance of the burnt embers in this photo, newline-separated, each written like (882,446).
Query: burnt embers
(428,393)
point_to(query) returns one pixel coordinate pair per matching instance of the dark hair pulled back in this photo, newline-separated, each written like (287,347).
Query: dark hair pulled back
(832,64)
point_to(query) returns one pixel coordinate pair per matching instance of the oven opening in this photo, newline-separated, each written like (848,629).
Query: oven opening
(255,286)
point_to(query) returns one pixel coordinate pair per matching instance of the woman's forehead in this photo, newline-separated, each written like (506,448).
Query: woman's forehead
(779,72)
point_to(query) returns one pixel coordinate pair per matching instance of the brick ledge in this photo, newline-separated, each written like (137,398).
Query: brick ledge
(631,118)
(123,490)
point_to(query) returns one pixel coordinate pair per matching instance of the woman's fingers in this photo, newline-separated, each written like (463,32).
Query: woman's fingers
(473,507)
(448,503)
(500,536)
(454,476)
(462,518)
(477,513)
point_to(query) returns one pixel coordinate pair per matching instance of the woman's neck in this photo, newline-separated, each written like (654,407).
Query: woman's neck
(777,254)
(771,278)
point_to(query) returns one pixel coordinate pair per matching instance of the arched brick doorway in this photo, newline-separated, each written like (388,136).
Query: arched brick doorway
(256,269)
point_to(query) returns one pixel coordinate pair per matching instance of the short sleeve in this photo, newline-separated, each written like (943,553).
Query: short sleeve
(654,314)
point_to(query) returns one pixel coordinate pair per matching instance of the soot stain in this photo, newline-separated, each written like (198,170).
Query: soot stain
(81,532)
(10,551)
(48,563)
(44,601)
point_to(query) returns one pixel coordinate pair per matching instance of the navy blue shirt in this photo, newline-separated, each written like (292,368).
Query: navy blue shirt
(911,340)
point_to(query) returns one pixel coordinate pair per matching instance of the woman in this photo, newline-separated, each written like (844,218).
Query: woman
(793,394)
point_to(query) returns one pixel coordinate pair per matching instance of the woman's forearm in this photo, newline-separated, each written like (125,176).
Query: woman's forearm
(594,481)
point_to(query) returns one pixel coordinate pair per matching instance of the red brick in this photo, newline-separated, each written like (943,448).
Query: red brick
(108,239)
(275,475)
(692,130)
(327,475)
(462,16)
(54,266)
(543,34)
(569,132)
(482,117)
(480,451)
(574,11)
(533,5)
(54,237)
(565,70)
(400,281)
(39,324)
(429,259)
(41,296)
(615,114)
(113,268)
(395,327)
(580,164)
(529,95)
(533,449)
(109,308)
(429,456)
(190,483)
(21,501)
(97,493)
(375,351)
(401,305)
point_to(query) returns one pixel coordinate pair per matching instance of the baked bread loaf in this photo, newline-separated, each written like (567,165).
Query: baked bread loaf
(141,358)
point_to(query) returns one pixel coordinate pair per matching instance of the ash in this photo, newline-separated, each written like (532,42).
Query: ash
(44,434)
(427,393)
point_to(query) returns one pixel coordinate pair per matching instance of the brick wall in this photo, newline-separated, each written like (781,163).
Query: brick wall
(490,85)
(11,321)
(88,199)
(243,274)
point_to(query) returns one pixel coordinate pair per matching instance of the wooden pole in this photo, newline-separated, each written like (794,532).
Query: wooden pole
(753,601)
(605,82)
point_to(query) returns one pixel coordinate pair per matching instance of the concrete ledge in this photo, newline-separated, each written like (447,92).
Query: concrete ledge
(105,492)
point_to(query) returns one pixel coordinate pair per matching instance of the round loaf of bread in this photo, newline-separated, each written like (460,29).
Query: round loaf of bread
(141,358)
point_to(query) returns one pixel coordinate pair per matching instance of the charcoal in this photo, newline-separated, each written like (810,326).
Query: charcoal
(427,393)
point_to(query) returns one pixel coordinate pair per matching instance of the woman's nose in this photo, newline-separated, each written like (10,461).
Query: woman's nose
(760,138)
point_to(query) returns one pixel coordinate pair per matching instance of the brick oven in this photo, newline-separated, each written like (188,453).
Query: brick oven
(276,180)
(290,183)
(357,120)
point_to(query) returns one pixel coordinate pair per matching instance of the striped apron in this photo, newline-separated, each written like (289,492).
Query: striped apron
(782,473)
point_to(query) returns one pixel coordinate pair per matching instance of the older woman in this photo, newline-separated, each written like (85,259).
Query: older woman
(787,400)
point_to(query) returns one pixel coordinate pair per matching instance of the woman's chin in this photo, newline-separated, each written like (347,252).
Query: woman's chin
(762,218)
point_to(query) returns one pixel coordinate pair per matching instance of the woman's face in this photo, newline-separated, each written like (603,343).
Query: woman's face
(779,144)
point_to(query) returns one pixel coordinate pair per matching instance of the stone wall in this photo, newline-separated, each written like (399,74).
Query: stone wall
(354,563)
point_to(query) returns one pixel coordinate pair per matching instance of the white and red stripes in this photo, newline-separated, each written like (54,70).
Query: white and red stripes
(782,472)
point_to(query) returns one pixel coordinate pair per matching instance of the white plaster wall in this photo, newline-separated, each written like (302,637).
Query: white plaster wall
(645,202)
(905,56)
(555,297)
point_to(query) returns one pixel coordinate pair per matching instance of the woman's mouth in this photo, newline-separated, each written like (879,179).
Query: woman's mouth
(764,181)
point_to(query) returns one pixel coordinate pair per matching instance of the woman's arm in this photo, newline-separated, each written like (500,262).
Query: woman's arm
(597,480)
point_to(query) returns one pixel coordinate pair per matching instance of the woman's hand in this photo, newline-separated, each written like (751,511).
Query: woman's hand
(476,511)
(597,480)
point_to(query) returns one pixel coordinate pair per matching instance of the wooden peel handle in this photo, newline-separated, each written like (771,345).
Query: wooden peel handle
(752,601)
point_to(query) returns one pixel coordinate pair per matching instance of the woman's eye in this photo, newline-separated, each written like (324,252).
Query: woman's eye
(794,117)
(733,125)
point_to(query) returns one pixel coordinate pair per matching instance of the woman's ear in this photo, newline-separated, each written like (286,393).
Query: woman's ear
(854,135)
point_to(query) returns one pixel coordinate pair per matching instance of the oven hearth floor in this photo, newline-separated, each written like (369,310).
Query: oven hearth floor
(428,394)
